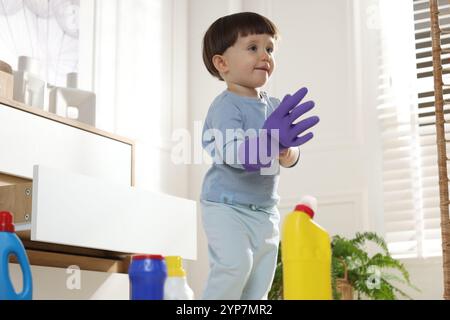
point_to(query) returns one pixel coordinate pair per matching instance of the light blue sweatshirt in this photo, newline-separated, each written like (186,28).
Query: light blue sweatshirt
(227,181)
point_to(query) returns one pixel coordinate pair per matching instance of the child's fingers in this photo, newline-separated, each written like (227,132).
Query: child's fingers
(304,125)
(300,110)
(290,102)
(303,139)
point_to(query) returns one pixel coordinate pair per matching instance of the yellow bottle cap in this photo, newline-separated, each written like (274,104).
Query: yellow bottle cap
(175,266)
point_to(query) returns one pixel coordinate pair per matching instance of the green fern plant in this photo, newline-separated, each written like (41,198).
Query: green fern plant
(369,276)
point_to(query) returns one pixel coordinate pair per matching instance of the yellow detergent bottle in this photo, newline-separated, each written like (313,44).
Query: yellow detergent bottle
(306,255)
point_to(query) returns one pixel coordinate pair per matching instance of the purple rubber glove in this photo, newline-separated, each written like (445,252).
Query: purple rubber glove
(283,117)
(279,129)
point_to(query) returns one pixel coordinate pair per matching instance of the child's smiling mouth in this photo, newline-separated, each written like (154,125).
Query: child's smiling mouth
(266,69)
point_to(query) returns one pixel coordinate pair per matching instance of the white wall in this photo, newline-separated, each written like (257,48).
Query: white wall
(137,66)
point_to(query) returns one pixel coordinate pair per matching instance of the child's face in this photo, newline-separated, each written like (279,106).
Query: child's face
(250,61)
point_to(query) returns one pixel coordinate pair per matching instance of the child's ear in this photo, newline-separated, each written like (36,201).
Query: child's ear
(220,63)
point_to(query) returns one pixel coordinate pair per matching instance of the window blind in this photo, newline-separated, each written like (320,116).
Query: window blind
(407,123)
(398,119)
(432,245)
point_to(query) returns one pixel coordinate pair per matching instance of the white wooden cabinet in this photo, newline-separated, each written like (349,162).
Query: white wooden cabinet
(71,186)
(29,137)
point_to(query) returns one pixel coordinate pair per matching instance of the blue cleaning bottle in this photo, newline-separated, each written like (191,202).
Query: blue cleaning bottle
(10,244)
(147,274)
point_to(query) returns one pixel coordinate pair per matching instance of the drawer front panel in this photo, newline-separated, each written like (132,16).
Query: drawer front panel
(77,210)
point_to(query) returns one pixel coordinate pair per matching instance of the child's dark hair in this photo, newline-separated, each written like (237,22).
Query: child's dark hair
(224,32)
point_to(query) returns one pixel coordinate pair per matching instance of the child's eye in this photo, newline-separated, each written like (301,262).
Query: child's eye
(269,50)
(253,48)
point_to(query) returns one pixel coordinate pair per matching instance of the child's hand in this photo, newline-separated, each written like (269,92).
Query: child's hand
(283,154)
(288,157)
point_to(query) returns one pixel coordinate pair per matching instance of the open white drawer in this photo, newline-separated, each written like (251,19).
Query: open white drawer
(82,211)
(80,199)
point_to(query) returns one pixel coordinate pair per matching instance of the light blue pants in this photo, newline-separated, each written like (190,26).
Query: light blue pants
(242,247)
